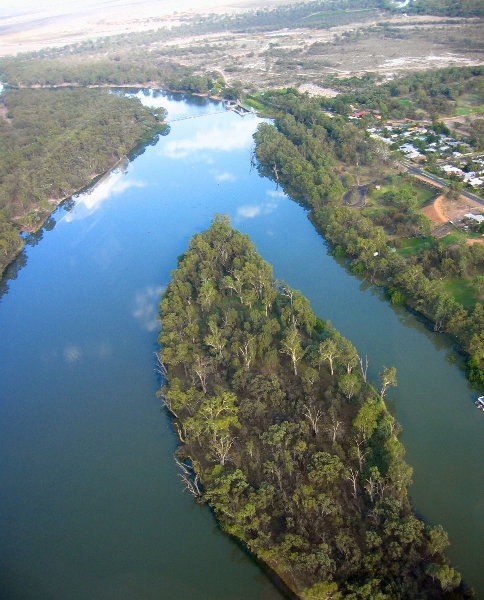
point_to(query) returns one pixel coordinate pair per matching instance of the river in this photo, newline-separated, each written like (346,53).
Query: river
(90,502)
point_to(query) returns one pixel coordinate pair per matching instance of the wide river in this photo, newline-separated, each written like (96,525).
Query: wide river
(91,507)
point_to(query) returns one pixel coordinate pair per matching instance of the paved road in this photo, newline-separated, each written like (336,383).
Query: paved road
(441,183)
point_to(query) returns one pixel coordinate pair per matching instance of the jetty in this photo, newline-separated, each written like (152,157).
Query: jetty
(237,107)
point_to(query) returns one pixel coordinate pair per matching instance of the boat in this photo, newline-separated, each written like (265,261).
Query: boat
(480,402)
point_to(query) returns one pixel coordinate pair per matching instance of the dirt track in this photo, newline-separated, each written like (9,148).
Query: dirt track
(435,211)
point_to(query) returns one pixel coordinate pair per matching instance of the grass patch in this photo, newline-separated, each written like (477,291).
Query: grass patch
(251,102)
(372,211)
(468,103)
(462,290)
(404,102)
(453,238)
(424,194)
(409,246)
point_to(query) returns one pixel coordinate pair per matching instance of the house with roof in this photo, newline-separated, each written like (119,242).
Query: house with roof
(449,169)
(478,218)
(476,182)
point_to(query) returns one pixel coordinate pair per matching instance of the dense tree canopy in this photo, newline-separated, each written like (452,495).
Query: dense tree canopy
(303,151)
(53,142)
(297,453)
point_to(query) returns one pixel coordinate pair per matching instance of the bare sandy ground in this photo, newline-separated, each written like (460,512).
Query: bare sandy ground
(444,210)
(316,90)
(456,209)
(435,212)
(53,25)
(27,28)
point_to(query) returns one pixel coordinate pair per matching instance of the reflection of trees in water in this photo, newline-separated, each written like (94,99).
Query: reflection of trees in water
(31,239)
(11,272)
(407,316)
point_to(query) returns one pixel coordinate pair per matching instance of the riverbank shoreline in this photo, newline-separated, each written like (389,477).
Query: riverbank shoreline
(56,203)
(90,388)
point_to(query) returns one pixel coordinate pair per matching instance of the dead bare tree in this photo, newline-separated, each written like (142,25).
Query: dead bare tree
(352,476)
(202,368)
(160,367)
(381,486)
(221,446)
(247,349)
(335,426)
(359,452)
(364,369)
(190,478)
(314,415)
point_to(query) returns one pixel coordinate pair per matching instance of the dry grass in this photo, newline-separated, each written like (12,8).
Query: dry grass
(302,57)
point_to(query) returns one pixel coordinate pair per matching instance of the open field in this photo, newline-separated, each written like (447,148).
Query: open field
(434,211)
(463,290)
(26,27)
(456,209)
(314,56)
(470,103)
(373,41)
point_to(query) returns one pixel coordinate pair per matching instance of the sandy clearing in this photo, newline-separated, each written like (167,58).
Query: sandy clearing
(3,113)
(435,211)
(474,241)
(456,209)
(316,90)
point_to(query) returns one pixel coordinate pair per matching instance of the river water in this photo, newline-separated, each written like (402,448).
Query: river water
(90,502)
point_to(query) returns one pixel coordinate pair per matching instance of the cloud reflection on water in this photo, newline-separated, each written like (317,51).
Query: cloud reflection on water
(74,353)
(112,184)
(249,211)
(276,194)
(146,307)
(224,176)
(227,138)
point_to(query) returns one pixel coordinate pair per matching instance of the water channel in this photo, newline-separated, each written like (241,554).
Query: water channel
(90,502)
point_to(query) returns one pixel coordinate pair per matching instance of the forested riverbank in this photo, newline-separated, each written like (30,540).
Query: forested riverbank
(309,154)
(284,437)
(53,143)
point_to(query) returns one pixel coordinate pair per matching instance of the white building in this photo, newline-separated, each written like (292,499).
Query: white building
(478,218)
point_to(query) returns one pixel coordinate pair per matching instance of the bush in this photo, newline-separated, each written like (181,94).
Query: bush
(396,297)
(358,268)
(339,251)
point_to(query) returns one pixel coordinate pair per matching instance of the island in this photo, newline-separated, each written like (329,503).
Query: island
(281,432)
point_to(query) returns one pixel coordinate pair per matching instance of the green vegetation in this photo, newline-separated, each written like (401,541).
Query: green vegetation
(471,102)
(282,434)
(463,290)
(448,8)
(53,142)
(136,59)
(380,203)
(434,92)
(303,151)
(412,246)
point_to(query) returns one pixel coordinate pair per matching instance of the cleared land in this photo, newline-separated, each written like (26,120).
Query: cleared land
(315,56)
(304,57)
(435,212)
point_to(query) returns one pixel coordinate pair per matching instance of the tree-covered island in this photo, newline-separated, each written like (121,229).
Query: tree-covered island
(283,435)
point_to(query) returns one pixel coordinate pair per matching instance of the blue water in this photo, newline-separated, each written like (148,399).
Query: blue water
(90,502)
